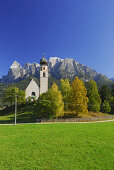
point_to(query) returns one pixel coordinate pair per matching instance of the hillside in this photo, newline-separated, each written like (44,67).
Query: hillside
(26,113)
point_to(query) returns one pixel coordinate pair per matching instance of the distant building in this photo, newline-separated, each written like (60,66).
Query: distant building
(33,90)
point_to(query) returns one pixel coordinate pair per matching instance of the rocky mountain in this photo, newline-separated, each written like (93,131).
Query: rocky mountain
(17,72)
(58,68)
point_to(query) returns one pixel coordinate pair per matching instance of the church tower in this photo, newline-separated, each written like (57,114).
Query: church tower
(43,76)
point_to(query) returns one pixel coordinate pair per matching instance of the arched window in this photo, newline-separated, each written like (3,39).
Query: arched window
(44,74)
(33,94)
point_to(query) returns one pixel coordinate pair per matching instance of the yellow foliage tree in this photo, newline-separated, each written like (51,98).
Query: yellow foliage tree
(55,97)
(78,96)
(65,90)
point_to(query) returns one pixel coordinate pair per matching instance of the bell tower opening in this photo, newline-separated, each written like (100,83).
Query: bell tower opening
(44,74)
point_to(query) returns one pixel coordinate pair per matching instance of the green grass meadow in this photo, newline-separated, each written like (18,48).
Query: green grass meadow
(57,146)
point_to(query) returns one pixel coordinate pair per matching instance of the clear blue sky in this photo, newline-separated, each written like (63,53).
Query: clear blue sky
(78,29)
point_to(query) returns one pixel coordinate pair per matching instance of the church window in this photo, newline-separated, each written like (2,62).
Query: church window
(43,68)
(44,74)
(33,94)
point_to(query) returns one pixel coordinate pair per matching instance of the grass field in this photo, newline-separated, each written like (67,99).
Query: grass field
(57,146)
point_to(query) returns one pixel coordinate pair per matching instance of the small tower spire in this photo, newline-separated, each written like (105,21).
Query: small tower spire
(44,54)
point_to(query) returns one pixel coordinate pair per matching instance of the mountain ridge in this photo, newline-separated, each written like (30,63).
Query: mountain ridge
(58,68)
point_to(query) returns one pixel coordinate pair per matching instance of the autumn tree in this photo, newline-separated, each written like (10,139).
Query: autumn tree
(93,95)
(65,90)
(50,104)
(78,96)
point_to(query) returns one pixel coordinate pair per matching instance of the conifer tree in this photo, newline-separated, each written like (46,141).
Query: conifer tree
(104,92)
(93,95)
(65,90)
(112,91)
(78,97)
(105,107)
(112,104)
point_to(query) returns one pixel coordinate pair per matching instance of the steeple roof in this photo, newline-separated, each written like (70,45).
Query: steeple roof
(43,61)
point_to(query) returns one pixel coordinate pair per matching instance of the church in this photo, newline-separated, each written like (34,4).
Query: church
(33,90)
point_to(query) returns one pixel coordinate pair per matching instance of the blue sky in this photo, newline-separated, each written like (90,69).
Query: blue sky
(78,29)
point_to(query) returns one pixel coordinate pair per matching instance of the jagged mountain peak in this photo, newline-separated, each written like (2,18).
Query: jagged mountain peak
(15,65)
(55,58)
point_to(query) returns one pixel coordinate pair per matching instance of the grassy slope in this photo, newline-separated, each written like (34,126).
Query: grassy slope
(57,146)
(94,114)
(26,114)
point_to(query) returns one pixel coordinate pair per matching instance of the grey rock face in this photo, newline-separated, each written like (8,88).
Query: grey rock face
(31,69)
(58,68)
(17,72)
(69,68)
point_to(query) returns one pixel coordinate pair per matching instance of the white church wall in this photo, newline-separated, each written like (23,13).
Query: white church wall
(32,87)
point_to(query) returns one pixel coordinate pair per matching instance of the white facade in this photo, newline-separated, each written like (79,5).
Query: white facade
(43,79)
(32,90)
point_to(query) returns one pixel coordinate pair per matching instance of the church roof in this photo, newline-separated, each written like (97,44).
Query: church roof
(43,61)
(32,81)
(22,85)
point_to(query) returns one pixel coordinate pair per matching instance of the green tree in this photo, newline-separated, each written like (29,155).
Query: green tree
(112,104)
(93,95)
(104,92)
(43,108)
(21,97)
(10,94)
(105,107)
(78,96)
(112,91)
(65,90)
(50,104)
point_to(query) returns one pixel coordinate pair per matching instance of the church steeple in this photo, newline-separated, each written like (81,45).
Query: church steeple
(43,61)
(43,75)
